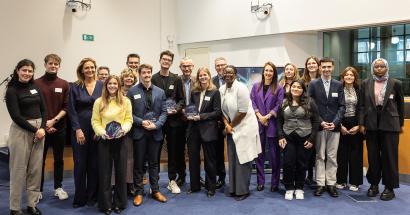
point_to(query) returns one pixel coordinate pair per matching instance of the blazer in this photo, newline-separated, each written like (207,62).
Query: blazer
(172,89)
(268,103)
(215,81)
(392,113)
(331,108)
(137,97)
(209,113)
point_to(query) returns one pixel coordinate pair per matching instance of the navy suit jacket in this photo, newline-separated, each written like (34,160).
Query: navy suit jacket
(331,108)
(215,81)
(392,113)
(137,97)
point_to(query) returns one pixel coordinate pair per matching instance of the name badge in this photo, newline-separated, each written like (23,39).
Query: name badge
(335,95)
(138,96)
(33,91)
(391,96)
(58,90)
(207,98)
(171,87)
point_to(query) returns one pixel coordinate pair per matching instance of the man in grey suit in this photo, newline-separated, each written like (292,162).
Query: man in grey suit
(329,97)
(218,81)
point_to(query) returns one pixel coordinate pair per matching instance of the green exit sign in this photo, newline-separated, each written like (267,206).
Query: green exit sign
(88,37)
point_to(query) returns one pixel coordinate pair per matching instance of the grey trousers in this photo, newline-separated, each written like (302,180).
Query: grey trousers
(239,174)
(26,160)
(327,143)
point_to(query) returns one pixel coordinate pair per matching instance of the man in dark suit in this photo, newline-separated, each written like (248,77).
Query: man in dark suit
(218,81)
(174,130)
(381,119)
(149,115)
(329,97)
(186,65)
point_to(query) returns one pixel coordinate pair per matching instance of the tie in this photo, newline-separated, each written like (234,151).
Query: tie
(327,87)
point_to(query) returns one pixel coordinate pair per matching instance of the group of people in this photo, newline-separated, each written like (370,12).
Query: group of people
(119,124)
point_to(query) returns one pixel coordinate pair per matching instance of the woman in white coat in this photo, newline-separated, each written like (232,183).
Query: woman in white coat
(241,127)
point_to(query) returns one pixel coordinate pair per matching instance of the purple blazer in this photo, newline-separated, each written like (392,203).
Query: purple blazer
(269,103)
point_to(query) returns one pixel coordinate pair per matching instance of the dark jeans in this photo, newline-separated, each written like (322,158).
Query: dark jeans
(295,157)
(56,141)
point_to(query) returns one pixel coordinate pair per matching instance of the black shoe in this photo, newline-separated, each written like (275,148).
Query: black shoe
(309,181)
(13,212)
(107,211)
(91,203)
(373,191)
(241,197)
(230,195)
(210,193)
(260,187)
(219,184)
(117,210)
(33,211)
(387,194)
(131,189)
(332,191)
(319,190)
(274,189)
(192,191)
(180,181)
(202,182)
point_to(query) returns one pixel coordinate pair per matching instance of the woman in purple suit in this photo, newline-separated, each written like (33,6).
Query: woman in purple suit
(266,98)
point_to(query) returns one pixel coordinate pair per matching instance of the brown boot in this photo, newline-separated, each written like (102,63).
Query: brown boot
(159,197)
(137,200)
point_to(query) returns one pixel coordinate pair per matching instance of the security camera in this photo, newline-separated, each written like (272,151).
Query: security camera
(265,11)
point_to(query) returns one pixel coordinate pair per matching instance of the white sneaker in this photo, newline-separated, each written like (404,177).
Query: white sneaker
(173,187)
(299,194)
(354,188)
(61,193)
(289,194)
(340,186)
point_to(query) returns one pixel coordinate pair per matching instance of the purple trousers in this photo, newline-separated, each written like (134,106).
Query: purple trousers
(274,159)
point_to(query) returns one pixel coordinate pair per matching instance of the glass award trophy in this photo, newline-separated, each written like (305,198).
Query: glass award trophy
(171,105)
(191,111)
(151,116)
(113,129)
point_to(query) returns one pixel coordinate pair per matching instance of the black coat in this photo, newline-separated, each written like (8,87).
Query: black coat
(209,113)
(392,113)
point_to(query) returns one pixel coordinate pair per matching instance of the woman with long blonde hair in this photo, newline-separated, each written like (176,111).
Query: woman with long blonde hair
(203,130)
(112,108)
(290,74)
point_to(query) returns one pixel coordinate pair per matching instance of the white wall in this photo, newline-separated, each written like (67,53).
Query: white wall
(211,20)
(255,51)
(32,29)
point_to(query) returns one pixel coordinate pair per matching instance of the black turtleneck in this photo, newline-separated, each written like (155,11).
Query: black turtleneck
(24,101)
